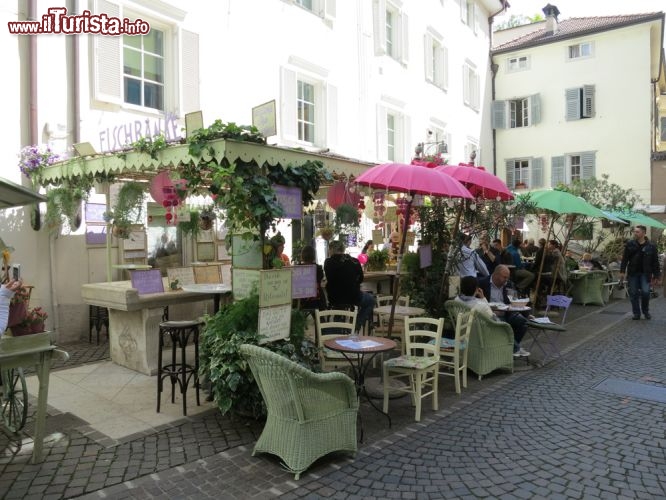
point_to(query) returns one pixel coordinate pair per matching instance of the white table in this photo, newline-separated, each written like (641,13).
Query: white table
(217,289)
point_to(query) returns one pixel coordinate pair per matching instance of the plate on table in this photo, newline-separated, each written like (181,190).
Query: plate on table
(498,305)
(519,308)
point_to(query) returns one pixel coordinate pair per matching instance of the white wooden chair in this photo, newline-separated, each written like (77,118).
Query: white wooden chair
(332,323)
(453,352)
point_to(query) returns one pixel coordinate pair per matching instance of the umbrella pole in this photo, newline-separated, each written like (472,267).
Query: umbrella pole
(447,269)
(543,259)
(396,284)
(564,249)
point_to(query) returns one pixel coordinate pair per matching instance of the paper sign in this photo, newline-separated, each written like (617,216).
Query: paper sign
(303,281)
(136,240)
(246,253)
(425,256)
(207,274)
(411,238)
(274,323)
(243,281)
(263,117)
(184,275)
(275,287)
(206,251)
(290,199)
(147,281)
(377,236)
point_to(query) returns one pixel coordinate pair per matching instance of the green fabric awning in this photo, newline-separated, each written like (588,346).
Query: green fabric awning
(639,218)
(129,162)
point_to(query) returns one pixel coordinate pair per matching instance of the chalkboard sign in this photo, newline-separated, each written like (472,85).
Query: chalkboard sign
(275,287)
(242,282)
(246,253)
(207,274)
(274,323)
(205,251)
(303,282)
(291,201)
(147,281)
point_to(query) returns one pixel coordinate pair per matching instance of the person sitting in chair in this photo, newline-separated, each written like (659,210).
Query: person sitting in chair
(472,296)
(344,276)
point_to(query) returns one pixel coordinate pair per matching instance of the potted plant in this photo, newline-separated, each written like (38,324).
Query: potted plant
(191,227)
(127,210)
(377,260)
(346,215)
(36,318)
(326,232)
(206,218)
(64,203)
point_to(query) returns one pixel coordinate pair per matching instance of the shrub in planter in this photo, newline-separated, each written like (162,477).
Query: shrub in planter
(232,383)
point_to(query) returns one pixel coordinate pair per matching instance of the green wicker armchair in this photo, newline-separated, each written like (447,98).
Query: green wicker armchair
(589,288)
(309,414)
(490,344)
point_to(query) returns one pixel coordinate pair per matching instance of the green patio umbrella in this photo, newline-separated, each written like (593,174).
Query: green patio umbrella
(639,218)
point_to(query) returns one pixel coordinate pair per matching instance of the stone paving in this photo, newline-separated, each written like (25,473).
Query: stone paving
(539,433)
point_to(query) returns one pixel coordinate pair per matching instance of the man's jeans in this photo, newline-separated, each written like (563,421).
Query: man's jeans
(639,288)
(365,309)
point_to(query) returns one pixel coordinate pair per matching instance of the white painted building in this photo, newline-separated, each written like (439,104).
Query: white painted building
(575,98)
(362,78)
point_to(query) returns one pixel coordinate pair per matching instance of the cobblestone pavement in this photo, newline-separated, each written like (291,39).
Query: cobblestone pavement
(539,433)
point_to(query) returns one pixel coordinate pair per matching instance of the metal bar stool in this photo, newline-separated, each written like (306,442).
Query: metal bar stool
(98,317)
(178,372)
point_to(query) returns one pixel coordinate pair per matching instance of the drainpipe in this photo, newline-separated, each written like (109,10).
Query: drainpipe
(493,69)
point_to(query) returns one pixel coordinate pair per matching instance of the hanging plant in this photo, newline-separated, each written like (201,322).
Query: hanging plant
(192,227)
(346,218)
(128,209)
(207,217)
(64,204)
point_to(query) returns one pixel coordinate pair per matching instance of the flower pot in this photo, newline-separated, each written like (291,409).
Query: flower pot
(20,330)
(37,327)
(205,223)
(17,312)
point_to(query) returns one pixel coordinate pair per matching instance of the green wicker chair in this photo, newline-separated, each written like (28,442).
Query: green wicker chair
(588,289)
(490,344)
(309,414)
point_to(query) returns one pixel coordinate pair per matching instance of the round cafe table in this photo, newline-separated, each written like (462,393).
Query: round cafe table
(359,352)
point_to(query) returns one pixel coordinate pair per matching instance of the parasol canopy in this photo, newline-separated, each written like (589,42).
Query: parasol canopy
(478,181)
(562,202)
(639,218)
(412,179)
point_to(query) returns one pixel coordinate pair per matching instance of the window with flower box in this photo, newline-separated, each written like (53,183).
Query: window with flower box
(572,167)
(524,173)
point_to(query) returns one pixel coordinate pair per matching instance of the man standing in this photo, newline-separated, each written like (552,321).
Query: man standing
(494,290)
(470,263)
(344,276)
(640,262)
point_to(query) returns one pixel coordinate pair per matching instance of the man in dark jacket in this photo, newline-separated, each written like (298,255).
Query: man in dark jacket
(344,276)
(494,290)
(640,262)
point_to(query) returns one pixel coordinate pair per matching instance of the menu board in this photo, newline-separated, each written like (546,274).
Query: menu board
(274,323)
(184,275)
(275,287)
(136,240)
(207,274)
(377,236)
(303,281)
(246,253)
(243,280)
(205,251)
(290,199)
(147,281)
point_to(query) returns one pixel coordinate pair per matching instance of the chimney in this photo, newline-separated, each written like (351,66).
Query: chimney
(551,12)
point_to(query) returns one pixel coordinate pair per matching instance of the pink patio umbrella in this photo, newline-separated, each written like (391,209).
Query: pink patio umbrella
(480,182)
(411,180)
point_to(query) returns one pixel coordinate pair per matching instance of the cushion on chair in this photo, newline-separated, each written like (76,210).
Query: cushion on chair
(405,361)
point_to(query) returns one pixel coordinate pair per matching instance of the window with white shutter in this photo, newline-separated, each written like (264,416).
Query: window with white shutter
(579,102)
(516,113)
(572,167)
(323,8)
(471,86)
(468,14)
(308,108)
(391,30)
(158,71)
(436,60)
(393,138)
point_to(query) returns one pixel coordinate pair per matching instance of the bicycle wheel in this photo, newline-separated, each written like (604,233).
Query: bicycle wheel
(15,399)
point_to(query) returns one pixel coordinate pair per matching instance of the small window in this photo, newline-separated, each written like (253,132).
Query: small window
(391,139)
(390,136)
(471,86)
(572,167)
(390,30)
(518,63)
(390,33)
(520,113)
(436,61)
(574,162)
(468,13)
(306,111)
(580,102)
(143,69)
(521,173)
(580,50)
(524,173)
(516,113)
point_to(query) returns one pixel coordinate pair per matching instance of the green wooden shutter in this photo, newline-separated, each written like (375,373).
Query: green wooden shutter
(536,173)
(535,109)
(510,182)
(499,114)
(572,104)
(557,174)
(588,101)
(587,164)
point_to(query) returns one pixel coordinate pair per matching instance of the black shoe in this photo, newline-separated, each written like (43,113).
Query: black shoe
(647,316)
(636,316)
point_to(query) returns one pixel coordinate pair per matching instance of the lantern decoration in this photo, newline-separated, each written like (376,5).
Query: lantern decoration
(319,215)
(342,193)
